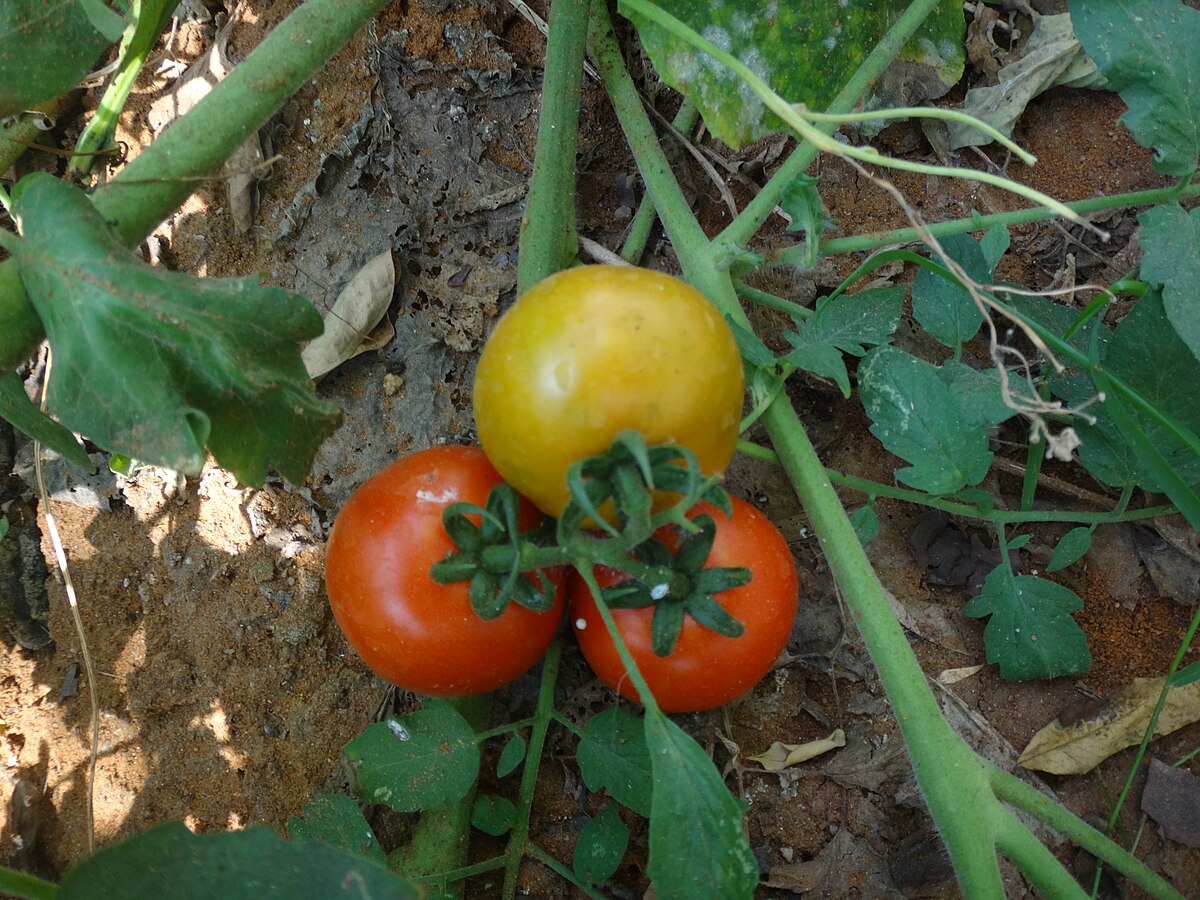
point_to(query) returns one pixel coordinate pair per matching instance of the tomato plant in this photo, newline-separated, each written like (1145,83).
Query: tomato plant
(412,631)
(595,350)
(705,669)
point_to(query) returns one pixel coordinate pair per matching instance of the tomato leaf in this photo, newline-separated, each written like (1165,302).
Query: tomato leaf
(493,815)
(714,861)
(158,365)
(613,756)
(995,243)
(945,308)
(601,846)
(979,395)
(336,820)
(1150,53)
(1070,548)
(511,756)
(753,350)
(16,406)
(169,861)
(423,760)
(805,51)
(920,419)
(847,323)
(1031,633)
(866,523)
(1170,241)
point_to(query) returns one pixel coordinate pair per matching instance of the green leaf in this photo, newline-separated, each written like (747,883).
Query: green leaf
(336,820)
(945,308)
(3,526)
(16,406)
(866,523)
(493,815)
(253,864)
(847,323)
(1149,50)
(918,418)
(46,48)
(1186,675)
(420,761)
(715,860)
(753,350)
(1071,548)
(1019,541)
(511,756)
(613,756)
(1170,242)
(801,202)
(995,243)
(805,51)
(1031,633)
(601,846)
(978,392)
(158,365)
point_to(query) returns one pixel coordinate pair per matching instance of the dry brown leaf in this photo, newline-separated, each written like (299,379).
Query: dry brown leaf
(1079,747)
(358,309)
(1172,799)
(953,676)
(779,755)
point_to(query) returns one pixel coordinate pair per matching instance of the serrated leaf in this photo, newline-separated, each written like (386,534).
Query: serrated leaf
(804,51)
(613,756)
(944,308)
(253,864)
(1071,548)
(420,761)
(17,408)
(601,846)
(46,48)
(847,323)
(493,815)
(511,756)
(1170,241)
(1149,51)
(336,820)
(715,861)
(919,419)
(158,365)
(1030,633)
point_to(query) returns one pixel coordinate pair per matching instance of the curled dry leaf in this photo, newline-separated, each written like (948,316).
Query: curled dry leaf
(953,676)
(1118,723)
(350,324)
(779,755)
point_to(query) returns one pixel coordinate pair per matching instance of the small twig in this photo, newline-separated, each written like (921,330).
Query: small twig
(600,253)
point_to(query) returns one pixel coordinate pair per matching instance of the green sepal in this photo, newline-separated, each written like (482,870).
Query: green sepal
(712,615)
(486,600)
(666,625)
(694,550)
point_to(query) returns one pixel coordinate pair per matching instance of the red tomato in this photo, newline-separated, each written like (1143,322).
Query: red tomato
(416,633)
(705,669)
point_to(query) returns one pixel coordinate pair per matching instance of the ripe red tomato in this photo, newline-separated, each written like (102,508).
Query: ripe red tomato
(416,633)
(705,669)
(592,351)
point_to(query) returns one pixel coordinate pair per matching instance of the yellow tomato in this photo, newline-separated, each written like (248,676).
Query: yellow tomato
(591,351)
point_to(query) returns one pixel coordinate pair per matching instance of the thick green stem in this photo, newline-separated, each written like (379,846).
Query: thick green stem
(20,884)
(549,242)
(194,148)
(646,215)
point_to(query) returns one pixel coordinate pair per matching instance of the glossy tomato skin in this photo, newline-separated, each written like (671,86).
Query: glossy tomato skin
(413,632)
(594,350)
(705,669)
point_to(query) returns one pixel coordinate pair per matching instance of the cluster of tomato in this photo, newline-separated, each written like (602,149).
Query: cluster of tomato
(579,358)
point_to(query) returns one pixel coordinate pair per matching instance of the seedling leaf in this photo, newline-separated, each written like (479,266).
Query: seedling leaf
(1170,242)
(944,308)
(866,523)
(1031,633)
(511,756)
(493,815)
(336,820)
(847,323)
(918,418)
(423,760)
(612,756)
(601,846)
(1150,53)
(158,365)
(1070,548)
(691,799)
(169,861)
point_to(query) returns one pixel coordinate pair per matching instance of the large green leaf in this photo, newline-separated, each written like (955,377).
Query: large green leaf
(254,864)
(945,308)
(157,365)
(1149,50)
(46,47)
(697,845)
(805,51)
(921,420)
(612,755)
(1170,242)
(1031,633)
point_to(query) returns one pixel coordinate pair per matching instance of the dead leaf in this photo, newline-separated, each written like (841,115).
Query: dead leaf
(845,860)
(780,756)
(356,311)
(1172,799)
(953,676)
(1119,723)
(932,621)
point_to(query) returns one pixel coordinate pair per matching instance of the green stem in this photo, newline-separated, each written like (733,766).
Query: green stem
(549,242)
(194,147)
(518,842)
(645,217)
(553,864)
(21,884)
